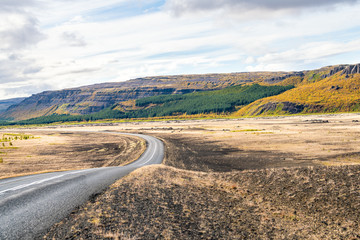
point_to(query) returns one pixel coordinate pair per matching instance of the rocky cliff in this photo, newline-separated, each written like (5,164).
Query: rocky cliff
(344,69)
(80,101)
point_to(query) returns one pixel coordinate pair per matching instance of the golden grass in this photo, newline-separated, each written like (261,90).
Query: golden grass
(342,161)
(247,130)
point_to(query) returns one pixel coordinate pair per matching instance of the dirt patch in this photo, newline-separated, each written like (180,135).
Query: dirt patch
(159,202)
(57,151)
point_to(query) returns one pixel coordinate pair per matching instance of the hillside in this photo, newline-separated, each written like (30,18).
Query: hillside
(218,101)
(5,104)
(91,99)
(325,90)
(336,91)
(213,102)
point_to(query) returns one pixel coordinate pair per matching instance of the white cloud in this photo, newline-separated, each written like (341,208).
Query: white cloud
(302,56)
(180,7)
(18,31)
(17,5)
(74,39)
(62,44)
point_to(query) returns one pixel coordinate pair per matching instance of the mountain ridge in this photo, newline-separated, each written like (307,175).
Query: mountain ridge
(315,91)
(93,98)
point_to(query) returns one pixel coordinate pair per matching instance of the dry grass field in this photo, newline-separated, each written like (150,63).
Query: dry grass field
(160,202)
(260,178)
(276,178)
(253,143)
(46,151)
(264,143)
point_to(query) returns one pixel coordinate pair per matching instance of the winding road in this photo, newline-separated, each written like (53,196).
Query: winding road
(30,205)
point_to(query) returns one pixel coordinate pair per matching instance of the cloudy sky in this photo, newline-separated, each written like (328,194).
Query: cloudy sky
(55,44)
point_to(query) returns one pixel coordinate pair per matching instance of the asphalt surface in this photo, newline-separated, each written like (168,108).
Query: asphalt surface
(30,205)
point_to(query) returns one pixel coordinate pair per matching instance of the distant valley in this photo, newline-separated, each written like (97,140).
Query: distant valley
(5,104)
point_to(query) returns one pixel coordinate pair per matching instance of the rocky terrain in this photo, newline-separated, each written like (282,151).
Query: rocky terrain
(344,69)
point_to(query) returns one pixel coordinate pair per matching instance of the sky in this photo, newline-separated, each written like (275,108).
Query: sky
(56,44)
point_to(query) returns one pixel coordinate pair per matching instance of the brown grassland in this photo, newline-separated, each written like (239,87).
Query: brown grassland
(161,202)
(50,151)
(275,178)
(259,178)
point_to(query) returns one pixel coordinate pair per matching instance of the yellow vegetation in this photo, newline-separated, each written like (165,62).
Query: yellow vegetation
(333,94)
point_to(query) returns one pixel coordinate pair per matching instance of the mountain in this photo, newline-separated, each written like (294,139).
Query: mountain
(94,98)
(5,104)
(327,90)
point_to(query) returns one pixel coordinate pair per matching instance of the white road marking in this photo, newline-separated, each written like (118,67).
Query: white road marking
(151,155)
(42,181)
(16,180)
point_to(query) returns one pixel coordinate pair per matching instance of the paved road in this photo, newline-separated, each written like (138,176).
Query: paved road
(29,205)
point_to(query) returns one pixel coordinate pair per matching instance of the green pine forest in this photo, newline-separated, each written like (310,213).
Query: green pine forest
(218,101)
